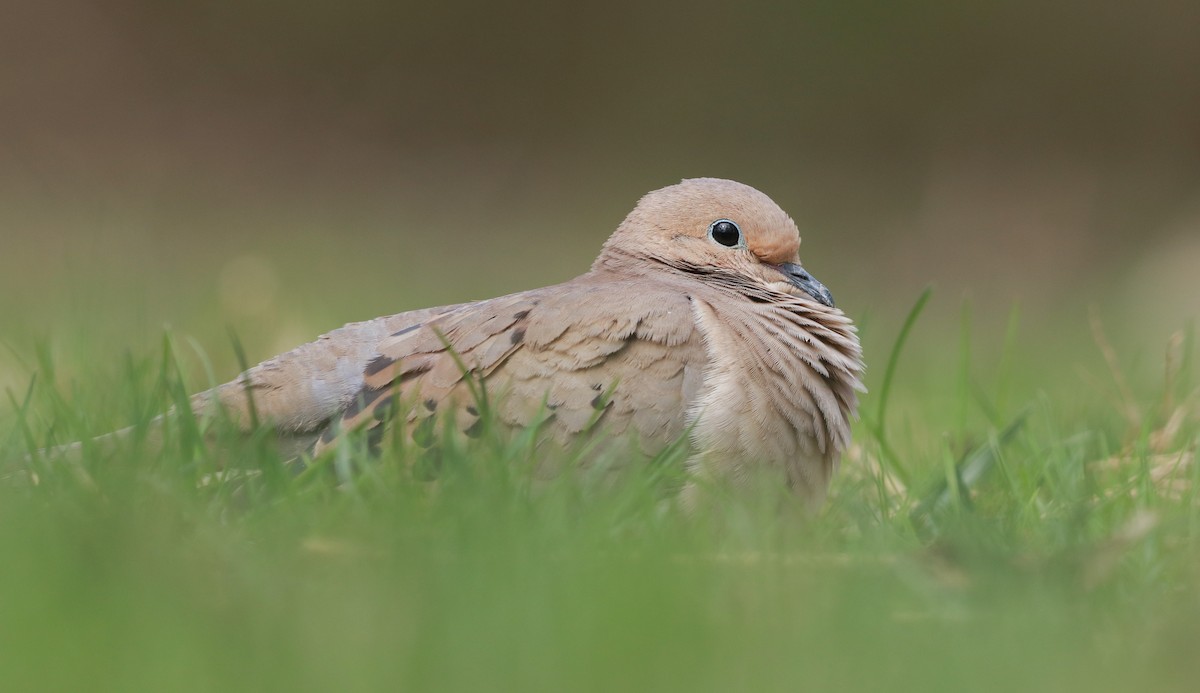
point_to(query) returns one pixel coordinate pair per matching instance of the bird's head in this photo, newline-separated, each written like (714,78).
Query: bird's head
(722,228)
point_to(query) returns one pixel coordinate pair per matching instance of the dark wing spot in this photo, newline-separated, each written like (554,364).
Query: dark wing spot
(362,400)
(600,401)
(518,335)
(384,410)
(412,375)
(521,316)
(375,439)
(597,387)
(406,330)
(423,432)
(474,430)
(377,364)
(472,410)
(595,423)
(431,404)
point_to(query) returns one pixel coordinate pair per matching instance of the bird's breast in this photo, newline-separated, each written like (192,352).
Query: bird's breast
(777,392)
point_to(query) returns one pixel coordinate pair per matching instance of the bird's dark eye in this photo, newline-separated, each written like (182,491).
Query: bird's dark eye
(725,232)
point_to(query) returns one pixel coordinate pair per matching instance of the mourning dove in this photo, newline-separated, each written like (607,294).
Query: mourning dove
(697,318)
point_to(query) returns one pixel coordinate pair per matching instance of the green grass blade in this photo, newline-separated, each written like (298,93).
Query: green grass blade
(879,423)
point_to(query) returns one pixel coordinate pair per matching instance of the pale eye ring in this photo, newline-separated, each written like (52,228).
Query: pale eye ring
(726,233)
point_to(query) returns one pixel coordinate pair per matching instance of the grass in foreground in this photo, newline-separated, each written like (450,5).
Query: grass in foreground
(1043,549)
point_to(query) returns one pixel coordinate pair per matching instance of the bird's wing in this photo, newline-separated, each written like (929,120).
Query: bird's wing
(300,391)
(296,393)
(623,355)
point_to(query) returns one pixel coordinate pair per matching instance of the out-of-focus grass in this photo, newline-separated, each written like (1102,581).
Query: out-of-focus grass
(1036,540)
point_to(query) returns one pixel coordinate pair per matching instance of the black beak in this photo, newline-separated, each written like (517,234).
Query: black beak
(804,281)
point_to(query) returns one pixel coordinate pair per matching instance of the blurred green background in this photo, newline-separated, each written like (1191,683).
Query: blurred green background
(282,168)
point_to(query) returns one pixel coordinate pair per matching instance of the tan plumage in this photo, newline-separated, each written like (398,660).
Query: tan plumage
(670,332)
